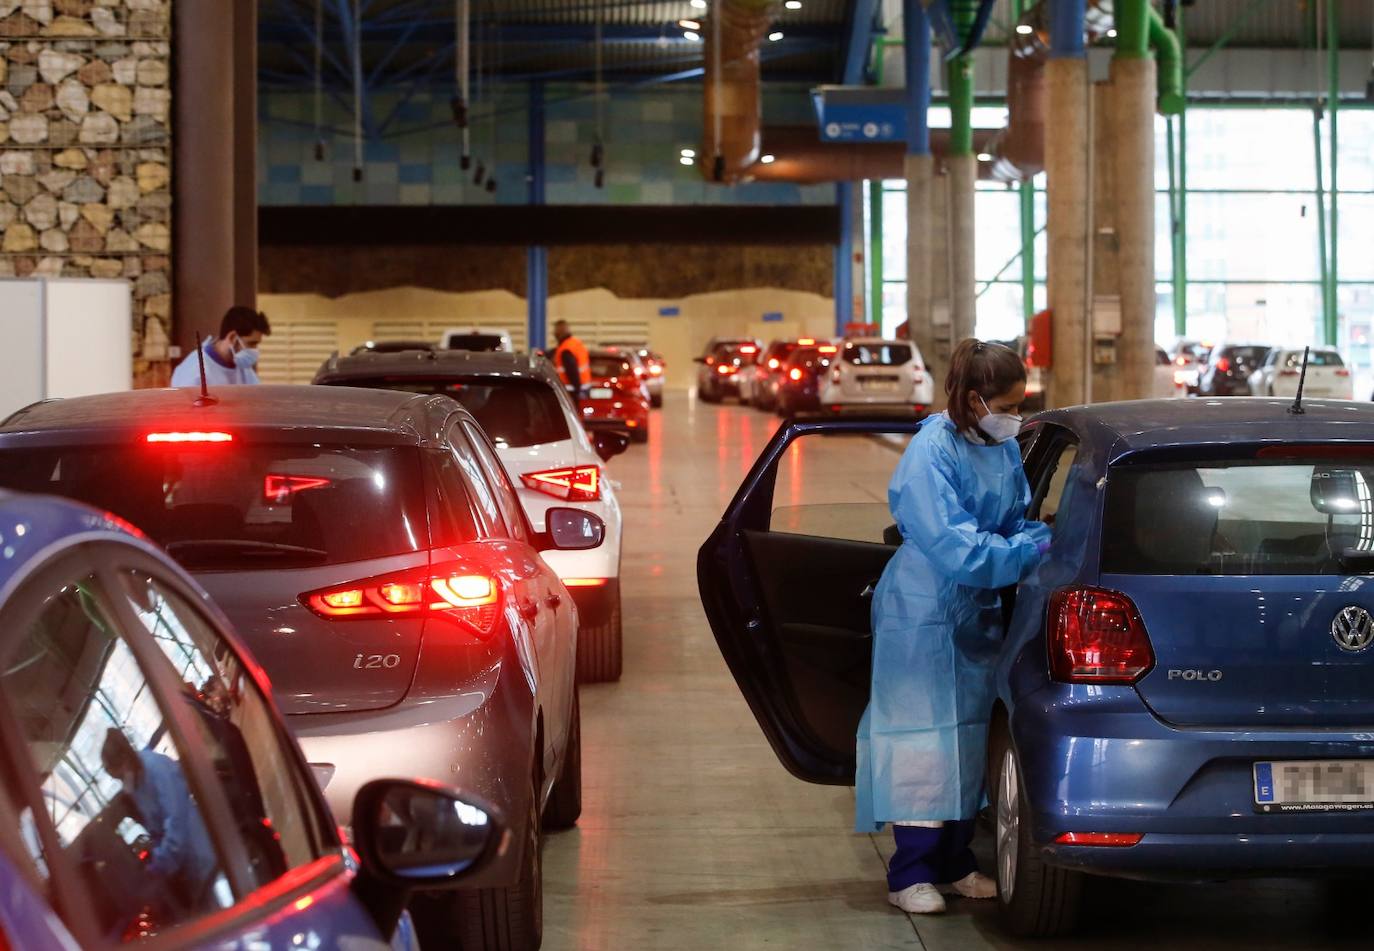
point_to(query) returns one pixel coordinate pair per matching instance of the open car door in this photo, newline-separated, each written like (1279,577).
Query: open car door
(787,581)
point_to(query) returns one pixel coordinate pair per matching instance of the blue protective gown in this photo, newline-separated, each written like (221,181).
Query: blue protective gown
(937,626)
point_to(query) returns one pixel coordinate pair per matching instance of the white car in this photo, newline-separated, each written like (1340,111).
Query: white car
(520,402)
(482,339)
(871,374)
(1166,379)
(1327,374)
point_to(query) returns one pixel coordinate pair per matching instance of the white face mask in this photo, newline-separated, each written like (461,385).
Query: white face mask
(999,426)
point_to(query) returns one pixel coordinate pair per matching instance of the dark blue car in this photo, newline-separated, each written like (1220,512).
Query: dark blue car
(148,786)
(1186,689)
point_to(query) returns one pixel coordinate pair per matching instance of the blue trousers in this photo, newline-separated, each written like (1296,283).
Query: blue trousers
(936,856)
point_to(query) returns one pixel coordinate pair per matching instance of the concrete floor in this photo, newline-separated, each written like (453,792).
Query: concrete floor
(694,837)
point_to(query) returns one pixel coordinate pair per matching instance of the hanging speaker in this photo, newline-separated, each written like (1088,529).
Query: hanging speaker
(480,175)
(465,162)
(460,111)
(357,173)
(600,178)
(491,185)
(598,155)
(319,150)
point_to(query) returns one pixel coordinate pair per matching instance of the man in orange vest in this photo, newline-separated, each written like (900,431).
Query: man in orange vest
(573,361)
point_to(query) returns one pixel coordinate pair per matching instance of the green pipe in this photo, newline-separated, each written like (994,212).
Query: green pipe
(1333,65)
(1134,33)
(1028,234)
(1169,66)
(960,78)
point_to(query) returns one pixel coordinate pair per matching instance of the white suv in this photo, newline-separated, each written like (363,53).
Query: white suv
(873,375)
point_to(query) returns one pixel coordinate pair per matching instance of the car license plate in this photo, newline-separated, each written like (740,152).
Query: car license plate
(878,383)
(1314,786)
(600,393)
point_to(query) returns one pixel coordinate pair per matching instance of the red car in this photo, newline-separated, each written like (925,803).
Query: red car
(617,396)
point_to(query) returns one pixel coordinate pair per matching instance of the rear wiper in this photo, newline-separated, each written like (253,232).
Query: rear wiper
(1356,559)
(206,546)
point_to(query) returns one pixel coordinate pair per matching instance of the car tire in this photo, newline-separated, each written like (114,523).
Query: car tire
(1034,900)
(490,919)
(565,802)
(599,649)
(708,394)
(639,435)
(656,402)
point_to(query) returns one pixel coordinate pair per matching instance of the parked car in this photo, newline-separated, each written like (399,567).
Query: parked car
(151,788)
(718,373)
(758,384)
(480,339)
(799,387)
(371,551)
(1327,374)
(1166,383)
(1189,356)
(1183,690)
(521,404)
(617,396)
(1228,368)
(873,375)
(654,367)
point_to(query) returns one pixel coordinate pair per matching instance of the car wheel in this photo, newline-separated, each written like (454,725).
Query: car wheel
(656,401)
(565,803)
(1033,898)
(708,394)
(599,649)
(490,919)
(639,435)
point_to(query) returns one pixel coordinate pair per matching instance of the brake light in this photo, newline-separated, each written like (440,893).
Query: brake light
(1109,839)
(188,437)
(722,369)
(278,489)
(1096,636)
(655,369)
(773,364)
(1342,371)
(828,349)
(585,582)
(1288,373)
(794,374)
(806,342)
(748,349)
(572,484)
(1224,365)
(457,594)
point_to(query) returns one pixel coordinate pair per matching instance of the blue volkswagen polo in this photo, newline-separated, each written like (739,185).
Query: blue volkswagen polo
(1186,689)
(148,786)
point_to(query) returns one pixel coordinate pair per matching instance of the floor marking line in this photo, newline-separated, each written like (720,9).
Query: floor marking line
(911,919)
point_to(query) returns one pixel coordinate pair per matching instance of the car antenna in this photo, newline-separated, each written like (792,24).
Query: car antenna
(205,399)
(1296,409)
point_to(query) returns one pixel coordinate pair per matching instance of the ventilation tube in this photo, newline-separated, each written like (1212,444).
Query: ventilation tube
(732,107)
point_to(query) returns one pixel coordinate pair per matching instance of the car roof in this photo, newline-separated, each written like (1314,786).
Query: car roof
(1141,425)
(432,363)
(386,417)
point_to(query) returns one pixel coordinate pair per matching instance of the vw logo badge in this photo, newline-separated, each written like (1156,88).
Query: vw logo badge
(1353,628)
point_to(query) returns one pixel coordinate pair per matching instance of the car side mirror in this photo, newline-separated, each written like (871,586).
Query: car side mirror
(610,442)
(568,529)
(698,359)
(418,834)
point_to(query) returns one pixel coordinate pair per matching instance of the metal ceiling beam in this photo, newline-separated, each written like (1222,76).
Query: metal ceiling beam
(858,40)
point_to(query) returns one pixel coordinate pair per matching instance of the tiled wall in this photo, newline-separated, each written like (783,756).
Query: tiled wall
(415,159)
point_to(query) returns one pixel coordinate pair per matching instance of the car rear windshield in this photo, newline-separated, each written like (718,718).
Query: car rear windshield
(1318,358)
(603,367)
(738,353)
(1246,356)
(514,412)
(480,342)
(1282,518)
(239,507)
(877,354)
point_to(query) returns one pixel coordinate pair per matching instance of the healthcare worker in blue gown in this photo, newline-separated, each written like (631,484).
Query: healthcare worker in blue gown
(959,496)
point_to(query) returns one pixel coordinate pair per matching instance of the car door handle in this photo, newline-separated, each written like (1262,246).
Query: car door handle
(554,600)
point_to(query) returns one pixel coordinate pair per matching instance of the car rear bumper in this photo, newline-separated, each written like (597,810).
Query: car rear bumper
(875,407)
(1095,759)
(480,740)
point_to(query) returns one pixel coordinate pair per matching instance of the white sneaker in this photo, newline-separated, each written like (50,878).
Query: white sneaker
(972,885)
(922,899)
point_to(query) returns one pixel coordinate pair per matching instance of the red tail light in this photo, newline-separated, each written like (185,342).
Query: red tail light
(773,363)
(748,349)
(585,582)
(794,374)
(828,349)
(1224,365)
(1097,637)
(188,437)
(1342,371)
(655,369)
(573,484)
(1109,839)
(1288,373)
(806,342)
(455,593)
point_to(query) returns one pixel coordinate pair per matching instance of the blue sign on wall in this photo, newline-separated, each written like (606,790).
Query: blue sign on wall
(668,311)
(773,317)
(860,113)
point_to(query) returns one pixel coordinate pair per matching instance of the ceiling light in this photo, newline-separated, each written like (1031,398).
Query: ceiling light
(687,160)
(689,24)
(698,4)
(793,4)
(688,153)
(1025,29)
(692,35)
(775,36)
(768,159)
(984,157)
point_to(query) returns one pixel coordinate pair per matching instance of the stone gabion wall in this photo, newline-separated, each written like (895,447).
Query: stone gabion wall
(86,148)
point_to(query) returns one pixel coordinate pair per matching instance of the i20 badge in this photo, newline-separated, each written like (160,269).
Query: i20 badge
(1353,628)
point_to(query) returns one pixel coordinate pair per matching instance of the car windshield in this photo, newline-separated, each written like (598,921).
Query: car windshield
(514,412)
(1261,518)
(604,367)
(231,507)
(877,354)
(475,341)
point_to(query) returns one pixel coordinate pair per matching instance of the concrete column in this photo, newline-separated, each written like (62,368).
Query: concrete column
(920,236)
(1133,82)
(962,178)
(1066,167)
(214,213)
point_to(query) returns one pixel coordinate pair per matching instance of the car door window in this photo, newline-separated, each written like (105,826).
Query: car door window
(1053,479)
(506,499)
(263,782)
(112,776)
(821,490)
(483,495)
